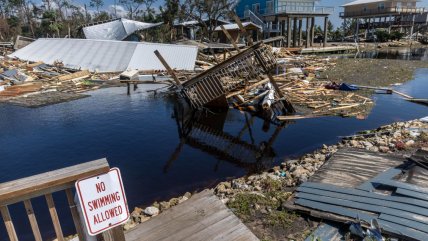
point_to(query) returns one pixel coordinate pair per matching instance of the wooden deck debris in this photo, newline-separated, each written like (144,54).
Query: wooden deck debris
(202,217)
(383,192)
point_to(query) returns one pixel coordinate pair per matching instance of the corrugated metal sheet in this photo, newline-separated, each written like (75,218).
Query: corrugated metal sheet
(107,56)
(115,30)
(177,56)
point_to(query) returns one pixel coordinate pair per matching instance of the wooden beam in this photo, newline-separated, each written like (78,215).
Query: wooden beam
(10,228)
(33,220)
(54,217)
(167,67)
(48,182)
(114,234)
(243,30)
(75,214)
(230,38)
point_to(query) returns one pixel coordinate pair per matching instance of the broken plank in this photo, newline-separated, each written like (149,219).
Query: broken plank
(74,76)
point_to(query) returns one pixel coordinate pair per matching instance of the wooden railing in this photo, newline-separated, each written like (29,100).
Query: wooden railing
(23,190)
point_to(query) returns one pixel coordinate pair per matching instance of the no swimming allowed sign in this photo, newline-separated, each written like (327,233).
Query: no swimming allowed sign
(103,201)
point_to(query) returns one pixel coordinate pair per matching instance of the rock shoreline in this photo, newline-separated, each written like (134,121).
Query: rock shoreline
(270,188)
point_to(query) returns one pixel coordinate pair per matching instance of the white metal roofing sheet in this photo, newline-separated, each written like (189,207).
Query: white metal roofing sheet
(180,57)
(106,55)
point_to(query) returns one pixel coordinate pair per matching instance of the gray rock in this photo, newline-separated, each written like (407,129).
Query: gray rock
(151,211)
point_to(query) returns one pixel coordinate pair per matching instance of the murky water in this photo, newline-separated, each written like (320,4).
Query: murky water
(158,160)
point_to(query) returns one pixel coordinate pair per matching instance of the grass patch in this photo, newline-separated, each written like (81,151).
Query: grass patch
(281,219)
(243,204)
(270,184)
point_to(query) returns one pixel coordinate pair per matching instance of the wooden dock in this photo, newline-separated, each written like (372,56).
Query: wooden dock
(328,49)
(202,217)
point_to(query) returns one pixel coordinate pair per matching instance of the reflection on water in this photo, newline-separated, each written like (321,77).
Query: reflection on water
(392,53)
(162,151)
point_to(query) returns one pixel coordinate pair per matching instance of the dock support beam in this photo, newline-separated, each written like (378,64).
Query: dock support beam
(307,33)
(300,32)
(357,31)
(312,31)
(325,32)
(294,32)
(288,32)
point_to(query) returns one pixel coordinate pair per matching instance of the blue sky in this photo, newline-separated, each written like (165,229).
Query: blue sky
(333,3)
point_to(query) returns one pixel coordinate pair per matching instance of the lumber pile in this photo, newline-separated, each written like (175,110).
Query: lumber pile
(19,77)
(320,101)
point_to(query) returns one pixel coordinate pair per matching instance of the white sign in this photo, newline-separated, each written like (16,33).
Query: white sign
(103,201)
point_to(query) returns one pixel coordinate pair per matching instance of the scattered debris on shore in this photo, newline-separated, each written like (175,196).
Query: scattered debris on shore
(257,199)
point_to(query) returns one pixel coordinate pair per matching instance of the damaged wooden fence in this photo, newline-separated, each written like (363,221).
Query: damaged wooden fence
(25,189)
(211,87)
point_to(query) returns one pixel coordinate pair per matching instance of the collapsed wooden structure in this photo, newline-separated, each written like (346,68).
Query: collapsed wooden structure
(210,88)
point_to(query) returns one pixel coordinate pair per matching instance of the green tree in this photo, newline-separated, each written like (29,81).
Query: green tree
(96,4)
(209,10)
(134,6)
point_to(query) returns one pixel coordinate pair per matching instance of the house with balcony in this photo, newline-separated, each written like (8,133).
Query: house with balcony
(402,15)
(285,18)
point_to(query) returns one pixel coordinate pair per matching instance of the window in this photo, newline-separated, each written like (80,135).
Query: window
(365,9)
(381,6)
(256,8)
(269,6)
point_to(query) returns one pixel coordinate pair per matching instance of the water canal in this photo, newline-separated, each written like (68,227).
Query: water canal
(139,135)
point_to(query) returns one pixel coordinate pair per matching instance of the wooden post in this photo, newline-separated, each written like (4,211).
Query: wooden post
(230,38)
(312,31)
(325,32)
(294,32)
(114,234)
(75,214)
(33,220)
(10,228)
(243,30)
(307,33)
(300,31)
(129,88)
(288,32)
(54,216)
(167,67)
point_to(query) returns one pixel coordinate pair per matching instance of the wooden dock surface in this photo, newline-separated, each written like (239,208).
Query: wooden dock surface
(202,217)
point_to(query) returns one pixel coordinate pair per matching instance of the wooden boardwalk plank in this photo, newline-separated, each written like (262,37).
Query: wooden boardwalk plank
(202,217)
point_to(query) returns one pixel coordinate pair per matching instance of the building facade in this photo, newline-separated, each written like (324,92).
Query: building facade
(400,15)
(285,18)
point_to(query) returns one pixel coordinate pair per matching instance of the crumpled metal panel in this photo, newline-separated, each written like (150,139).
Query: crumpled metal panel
(109,31)
(115,30)
(106,55)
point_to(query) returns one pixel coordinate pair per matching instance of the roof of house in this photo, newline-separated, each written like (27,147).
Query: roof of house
(117,29)
(234,26)
(358,2)
(108,55)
